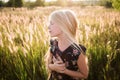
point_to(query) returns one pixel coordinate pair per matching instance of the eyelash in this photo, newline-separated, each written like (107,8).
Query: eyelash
(51,23)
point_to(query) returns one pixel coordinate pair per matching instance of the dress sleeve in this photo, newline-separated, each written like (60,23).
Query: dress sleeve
(83,48)
(78,51)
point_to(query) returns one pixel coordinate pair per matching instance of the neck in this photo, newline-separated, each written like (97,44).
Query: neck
(63,43)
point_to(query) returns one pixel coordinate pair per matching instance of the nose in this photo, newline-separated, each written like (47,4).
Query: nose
(49,27)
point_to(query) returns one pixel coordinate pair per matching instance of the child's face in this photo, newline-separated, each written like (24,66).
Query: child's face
(54,29)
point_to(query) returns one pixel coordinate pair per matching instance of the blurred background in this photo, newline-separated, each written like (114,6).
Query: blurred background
(36,3)
(24,39)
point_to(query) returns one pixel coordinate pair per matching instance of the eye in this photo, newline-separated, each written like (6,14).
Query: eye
(51,23)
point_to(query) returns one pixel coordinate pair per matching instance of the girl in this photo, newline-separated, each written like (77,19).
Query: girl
(66,60)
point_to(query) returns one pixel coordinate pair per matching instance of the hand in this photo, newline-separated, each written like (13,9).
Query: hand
(58,59)
(59,66)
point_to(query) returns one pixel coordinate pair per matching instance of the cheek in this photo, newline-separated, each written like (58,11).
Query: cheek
(59,31)
(56,30)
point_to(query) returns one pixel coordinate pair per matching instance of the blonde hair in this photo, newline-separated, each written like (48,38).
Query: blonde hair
(68,23)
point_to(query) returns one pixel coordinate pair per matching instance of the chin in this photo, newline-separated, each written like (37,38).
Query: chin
(53,35)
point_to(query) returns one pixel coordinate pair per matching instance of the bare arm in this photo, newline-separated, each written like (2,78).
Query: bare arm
(83,68)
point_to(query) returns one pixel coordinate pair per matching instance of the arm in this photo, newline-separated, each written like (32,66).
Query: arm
(57,65)
(83,68)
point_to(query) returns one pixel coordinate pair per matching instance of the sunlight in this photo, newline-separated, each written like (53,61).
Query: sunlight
(5,0)
(31,0)
(48,0)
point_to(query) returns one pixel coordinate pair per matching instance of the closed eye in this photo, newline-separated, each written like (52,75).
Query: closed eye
(51,23)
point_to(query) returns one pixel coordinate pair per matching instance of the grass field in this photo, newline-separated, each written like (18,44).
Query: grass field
(24,40)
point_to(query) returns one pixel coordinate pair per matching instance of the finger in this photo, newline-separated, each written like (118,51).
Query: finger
(58,62)
(54,59)
(63,65)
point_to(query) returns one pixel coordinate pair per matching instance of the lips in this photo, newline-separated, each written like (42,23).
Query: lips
(49,31)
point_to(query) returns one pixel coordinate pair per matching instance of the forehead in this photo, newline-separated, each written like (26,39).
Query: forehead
(52,20)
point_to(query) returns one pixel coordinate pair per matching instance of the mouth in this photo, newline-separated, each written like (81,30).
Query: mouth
(49,31)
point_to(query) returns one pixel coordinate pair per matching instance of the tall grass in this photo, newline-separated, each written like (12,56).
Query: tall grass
(23,45)
(101,34)
(24,41)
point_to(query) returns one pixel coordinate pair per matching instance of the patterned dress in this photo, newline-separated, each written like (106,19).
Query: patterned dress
(69,56)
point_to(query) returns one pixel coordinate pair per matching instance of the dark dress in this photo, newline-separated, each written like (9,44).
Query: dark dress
(69,56)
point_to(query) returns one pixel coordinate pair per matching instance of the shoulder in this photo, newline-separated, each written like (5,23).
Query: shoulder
(83,48)
(77,50)
(79,47)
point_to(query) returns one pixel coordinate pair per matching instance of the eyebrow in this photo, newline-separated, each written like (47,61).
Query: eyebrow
(51,22)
